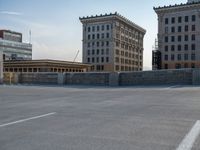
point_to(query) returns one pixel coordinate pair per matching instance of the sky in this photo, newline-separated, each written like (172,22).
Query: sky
(56,32)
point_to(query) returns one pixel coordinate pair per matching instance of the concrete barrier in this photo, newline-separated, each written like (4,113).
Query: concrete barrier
(162,77)
(1,67)
(196,77)
(87,78)
(38,78)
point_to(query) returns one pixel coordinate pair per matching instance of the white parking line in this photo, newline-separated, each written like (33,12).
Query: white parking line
(27,119)
(190,138)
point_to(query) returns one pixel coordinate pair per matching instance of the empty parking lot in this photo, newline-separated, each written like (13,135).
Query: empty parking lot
(99,118)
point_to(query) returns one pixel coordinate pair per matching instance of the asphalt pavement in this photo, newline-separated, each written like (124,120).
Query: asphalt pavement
(99,118)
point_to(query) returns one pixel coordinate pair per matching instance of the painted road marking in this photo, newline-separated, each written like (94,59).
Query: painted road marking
(27,119)
(190,138)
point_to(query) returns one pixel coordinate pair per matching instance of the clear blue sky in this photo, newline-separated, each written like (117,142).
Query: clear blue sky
(56,30)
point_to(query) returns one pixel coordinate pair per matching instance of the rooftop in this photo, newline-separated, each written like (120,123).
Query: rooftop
(176,5)
(14,32)
(116,14)
(46,61)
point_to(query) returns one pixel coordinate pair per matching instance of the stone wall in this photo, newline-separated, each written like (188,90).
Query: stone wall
(162,77)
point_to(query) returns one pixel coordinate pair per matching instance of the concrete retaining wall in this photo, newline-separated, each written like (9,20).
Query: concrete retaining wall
(162,77)
(38,78)
(86,78)
(1,67)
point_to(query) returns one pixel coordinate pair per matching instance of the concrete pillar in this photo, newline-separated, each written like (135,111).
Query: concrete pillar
(1,67)
(114,79)
(196,77)
(16,78)
(60,78)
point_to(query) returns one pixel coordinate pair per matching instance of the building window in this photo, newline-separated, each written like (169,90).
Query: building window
(172,47)
(166,20)
(93,59)
(166,57)
(97,28)
(97,51)
(186,28)
(172,38)
(107,59)
(186,37)
(193,65)
(179,19)
(193,57)
(108,27)
(88,52)
(186,19)
(193,18)
(107,43)
(93,36)
(107,51)
(185,47)
(93,52)
(166,39)
(166,48)
(172,56)
(172,20)
(117,67)
(102,59)
(88,60)
(102,43)
(97,59)
(193,27)
(93,28)
(117,44)
(179,29)
(97,44)
(193,47)
(107,35)
(193,37)
(178,66)
(185,56)
(88,29)
(88,45)
(179,47)
(98,36)
(172,29)
(102,35)
(102,27)
(179,38)
(102,51)
(88,36)
(179,57)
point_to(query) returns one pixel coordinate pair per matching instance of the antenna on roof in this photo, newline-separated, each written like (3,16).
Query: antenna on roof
(76,56)
(29,36)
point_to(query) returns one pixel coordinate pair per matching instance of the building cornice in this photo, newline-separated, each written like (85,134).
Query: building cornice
(177,7)
(111,16)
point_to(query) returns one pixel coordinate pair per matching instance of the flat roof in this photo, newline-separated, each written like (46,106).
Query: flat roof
(117,16)
(175,6)
(14,32)
(46,61)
